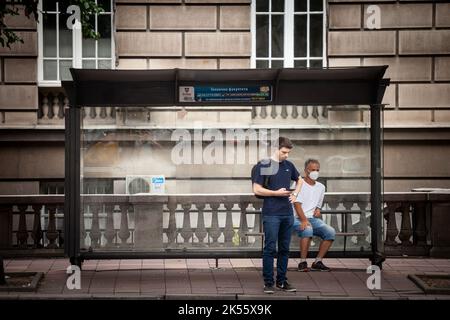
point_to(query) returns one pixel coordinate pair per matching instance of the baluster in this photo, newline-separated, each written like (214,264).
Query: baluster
(113,113)
(60,231)
(257,226)
(124,232)
(93,112)
(52,234)
(201,233)
(214,231)
(186,230)
(294,112)
(56,105)
(284,113)
(273,112)
(405,230)
(305,112)
(228,230)
(51,109)
(348,225)
(325,111)
(40,112)
(83,233)
(45,106)
(420,232)
(110,232)
(22,233)
(254,114)
(37,228)
(315,112)
(347,217)
(83,112)
(172,227)
(391,228)
(243,226)
(103,112)
(63,106)
(95,233)
(334,223)
(263,113)
(362,226)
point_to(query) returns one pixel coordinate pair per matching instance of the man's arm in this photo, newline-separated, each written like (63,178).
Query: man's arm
(295,193)
(317,213)
(261,191)
(301,215)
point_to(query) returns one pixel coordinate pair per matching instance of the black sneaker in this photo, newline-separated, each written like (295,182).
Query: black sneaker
(285,286)
(303,267)
(269,289)
(319,266)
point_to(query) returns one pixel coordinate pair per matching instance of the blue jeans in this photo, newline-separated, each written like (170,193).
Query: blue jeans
(318,228)
(276,229)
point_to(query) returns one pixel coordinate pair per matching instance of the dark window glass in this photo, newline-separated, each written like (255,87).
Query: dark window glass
(262,64)
(277,64)
(65,34)
(262,34)
(105,4)
(315,63)
(262,5)
(277,35)
(300,5)
(300,63)
(277,5)
(300,36)
(88,43)
(315,5)
(316,35)
(104,43)
(49,37)
(49,5)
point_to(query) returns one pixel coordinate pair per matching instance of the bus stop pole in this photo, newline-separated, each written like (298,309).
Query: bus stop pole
(375,185)
(72,184)
(2,272)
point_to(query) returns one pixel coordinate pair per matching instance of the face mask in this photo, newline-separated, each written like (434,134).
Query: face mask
(314,175)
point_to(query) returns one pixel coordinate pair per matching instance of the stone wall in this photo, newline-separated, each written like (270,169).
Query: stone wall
(18,74)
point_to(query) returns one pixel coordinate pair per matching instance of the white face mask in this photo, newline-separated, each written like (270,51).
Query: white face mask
(314,175)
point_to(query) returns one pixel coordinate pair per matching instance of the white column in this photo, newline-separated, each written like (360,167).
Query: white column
(77,38)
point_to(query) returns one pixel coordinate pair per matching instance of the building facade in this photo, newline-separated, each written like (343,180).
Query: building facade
(412,37)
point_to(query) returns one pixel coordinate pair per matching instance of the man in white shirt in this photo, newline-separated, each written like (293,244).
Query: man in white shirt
(307,206)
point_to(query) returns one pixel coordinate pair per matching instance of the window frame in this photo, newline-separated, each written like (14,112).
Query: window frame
(41,58)
(289,19)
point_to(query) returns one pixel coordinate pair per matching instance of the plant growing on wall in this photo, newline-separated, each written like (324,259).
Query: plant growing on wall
(88,9)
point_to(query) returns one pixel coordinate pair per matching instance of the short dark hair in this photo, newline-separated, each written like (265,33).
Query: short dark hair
(307,162)
(284,142)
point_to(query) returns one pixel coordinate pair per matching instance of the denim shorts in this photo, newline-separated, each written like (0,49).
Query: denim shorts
(318,228)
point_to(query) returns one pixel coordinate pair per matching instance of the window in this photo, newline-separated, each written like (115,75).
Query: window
(288,33)
(56,54)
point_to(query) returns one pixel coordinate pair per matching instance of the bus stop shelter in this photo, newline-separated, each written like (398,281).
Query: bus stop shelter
(182,87)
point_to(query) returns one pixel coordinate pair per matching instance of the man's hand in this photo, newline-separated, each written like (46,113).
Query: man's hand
(317,213)
(304,224)
(282,192)
(292,198)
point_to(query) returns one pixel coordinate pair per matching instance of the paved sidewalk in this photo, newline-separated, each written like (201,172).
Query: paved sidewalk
(234,279)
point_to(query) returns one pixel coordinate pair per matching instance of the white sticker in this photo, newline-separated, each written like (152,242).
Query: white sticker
(187,94)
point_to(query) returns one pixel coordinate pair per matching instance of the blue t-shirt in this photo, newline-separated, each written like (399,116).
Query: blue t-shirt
(280,178)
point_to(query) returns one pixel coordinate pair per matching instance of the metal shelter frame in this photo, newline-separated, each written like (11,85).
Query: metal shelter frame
(131,88)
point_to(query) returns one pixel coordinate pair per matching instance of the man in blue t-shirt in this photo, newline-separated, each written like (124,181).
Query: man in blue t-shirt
(277,212)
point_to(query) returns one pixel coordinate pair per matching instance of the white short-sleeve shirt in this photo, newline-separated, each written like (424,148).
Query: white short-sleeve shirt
(311,197)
